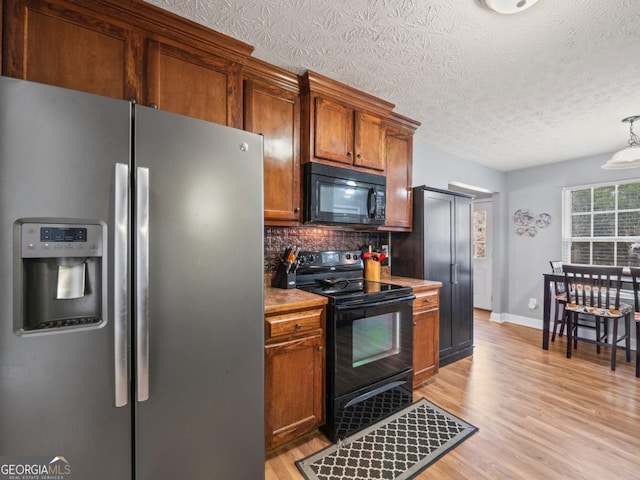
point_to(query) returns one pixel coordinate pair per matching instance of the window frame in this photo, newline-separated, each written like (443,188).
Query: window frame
(567,216)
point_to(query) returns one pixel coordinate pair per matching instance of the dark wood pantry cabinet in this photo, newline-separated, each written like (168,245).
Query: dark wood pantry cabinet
(439,248)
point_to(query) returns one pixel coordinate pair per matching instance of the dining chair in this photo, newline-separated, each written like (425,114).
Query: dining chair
(635,277)
(560,300)
(593,292)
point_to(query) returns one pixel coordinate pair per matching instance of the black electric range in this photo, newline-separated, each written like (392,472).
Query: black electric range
(369,341)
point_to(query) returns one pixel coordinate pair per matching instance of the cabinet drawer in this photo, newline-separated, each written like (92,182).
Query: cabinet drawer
(293,323)
(426,301)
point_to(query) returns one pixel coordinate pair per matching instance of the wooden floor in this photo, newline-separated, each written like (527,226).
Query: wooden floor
(539,414)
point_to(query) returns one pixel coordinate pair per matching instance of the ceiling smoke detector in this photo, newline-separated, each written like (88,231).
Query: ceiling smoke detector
(508,6)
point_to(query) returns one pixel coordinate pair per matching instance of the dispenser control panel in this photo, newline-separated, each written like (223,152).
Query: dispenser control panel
(62,240)
(57,234)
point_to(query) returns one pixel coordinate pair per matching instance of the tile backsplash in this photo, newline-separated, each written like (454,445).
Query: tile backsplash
(276,239)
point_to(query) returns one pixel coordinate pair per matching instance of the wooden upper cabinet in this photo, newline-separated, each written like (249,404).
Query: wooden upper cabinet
(399,162)
(193,83)
(369,145)
(342,125)
(272,109)
(127,49)
(334,131)
(49,42)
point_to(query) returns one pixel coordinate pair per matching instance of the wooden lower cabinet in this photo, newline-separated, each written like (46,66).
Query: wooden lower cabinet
(425,335)
(294,374)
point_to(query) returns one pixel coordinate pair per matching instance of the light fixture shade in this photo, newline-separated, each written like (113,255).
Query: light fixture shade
(508,6)
(626,158)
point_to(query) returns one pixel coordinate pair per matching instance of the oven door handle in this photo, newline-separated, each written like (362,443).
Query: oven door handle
(382,303)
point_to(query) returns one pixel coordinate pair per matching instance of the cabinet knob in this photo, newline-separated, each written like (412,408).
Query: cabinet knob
(296,210)
(414,324)
(153,105)
(359,155)
(298,326)
(349,153)
(320,348)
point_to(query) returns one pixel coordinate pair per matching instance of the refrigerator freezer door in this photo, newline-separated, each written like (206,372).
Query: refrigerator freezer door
(58,149)
(204,417)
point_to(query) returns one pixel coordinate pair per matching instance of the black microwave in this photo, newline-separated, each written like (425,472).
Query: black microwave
(334,195)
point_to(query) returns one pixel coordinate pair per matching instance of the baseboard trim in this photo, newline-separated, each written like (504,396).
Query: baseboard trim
(537,323)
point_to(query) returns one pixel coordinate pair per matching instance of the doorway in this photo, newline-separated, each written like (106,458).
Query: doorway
(482,253)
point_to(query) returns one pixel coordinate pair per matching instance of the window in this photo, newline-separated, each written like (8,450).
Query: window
(479,234)
(601,223)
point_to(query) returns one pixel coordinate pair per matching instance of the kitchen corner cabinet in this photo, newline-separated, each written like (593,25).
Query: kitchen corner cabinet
(342,125)
(425,334)
(125,49)
(399,164)
(294,374)
(272,109)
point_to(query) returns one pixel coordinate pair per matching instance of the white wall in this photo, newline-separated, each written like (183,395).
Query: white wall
(438,169)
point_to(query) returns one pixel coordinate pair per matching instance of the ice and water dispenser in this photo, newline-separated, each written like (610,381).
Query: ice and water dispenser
(60,273)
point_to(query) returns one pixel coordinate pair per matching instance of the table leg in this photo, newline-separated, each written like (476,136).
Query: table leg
(546,314)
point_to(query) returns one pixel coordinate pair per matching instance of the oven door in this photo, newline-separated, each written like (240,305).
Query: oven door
(372,341)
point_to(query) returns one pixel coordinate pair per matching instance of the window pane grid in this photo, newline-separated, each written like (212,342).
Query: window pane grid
(600,223)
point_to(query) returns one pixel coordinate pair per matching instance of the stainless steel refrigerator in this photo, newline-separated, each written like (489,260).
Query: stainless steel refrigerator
(131,289)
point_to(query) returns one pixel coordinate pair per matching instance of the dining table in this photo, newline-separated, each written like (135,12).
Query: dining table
(549,279)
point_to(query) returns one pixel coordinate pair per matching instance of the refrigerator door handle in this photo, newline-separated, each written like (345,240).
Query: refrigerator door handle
(120,282)
(142,283)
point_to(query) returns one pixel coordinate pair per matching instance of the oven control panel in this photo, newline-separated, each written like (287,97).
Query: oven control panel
(328,259)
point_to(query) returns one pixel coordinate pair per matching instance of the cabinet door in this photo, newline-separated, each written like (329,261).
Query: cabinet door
(399,155)
(294,392)
(193,83)
(462,295)
(333,131)
(274,113)
(369,144)
(49,42)
(425,345)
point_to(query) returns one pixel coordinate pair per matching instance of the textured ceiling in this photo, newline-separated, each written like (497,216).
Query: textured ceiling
(509,91)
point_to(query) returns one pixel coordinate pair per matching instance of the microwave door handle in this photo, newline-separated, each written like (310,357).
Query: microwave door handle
(372,203)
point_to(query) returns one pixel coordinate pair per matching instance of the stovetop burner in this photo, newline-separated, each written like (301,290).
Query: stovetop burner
(339,275)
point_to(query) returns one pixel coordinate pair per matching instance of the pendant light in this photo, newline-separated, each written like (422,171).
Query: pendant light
(508,6)
(628,157)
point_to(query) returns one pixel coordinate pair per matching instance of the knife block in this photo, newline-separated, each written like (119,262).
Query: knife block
(283,279)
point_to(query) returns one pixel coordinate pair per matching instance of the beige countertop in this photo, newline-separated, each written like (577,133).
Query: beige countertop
(415,283)
(277,300)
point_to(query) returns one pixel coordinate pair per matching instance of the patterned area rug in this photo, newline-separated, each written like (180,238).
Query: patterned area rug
(398,447)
